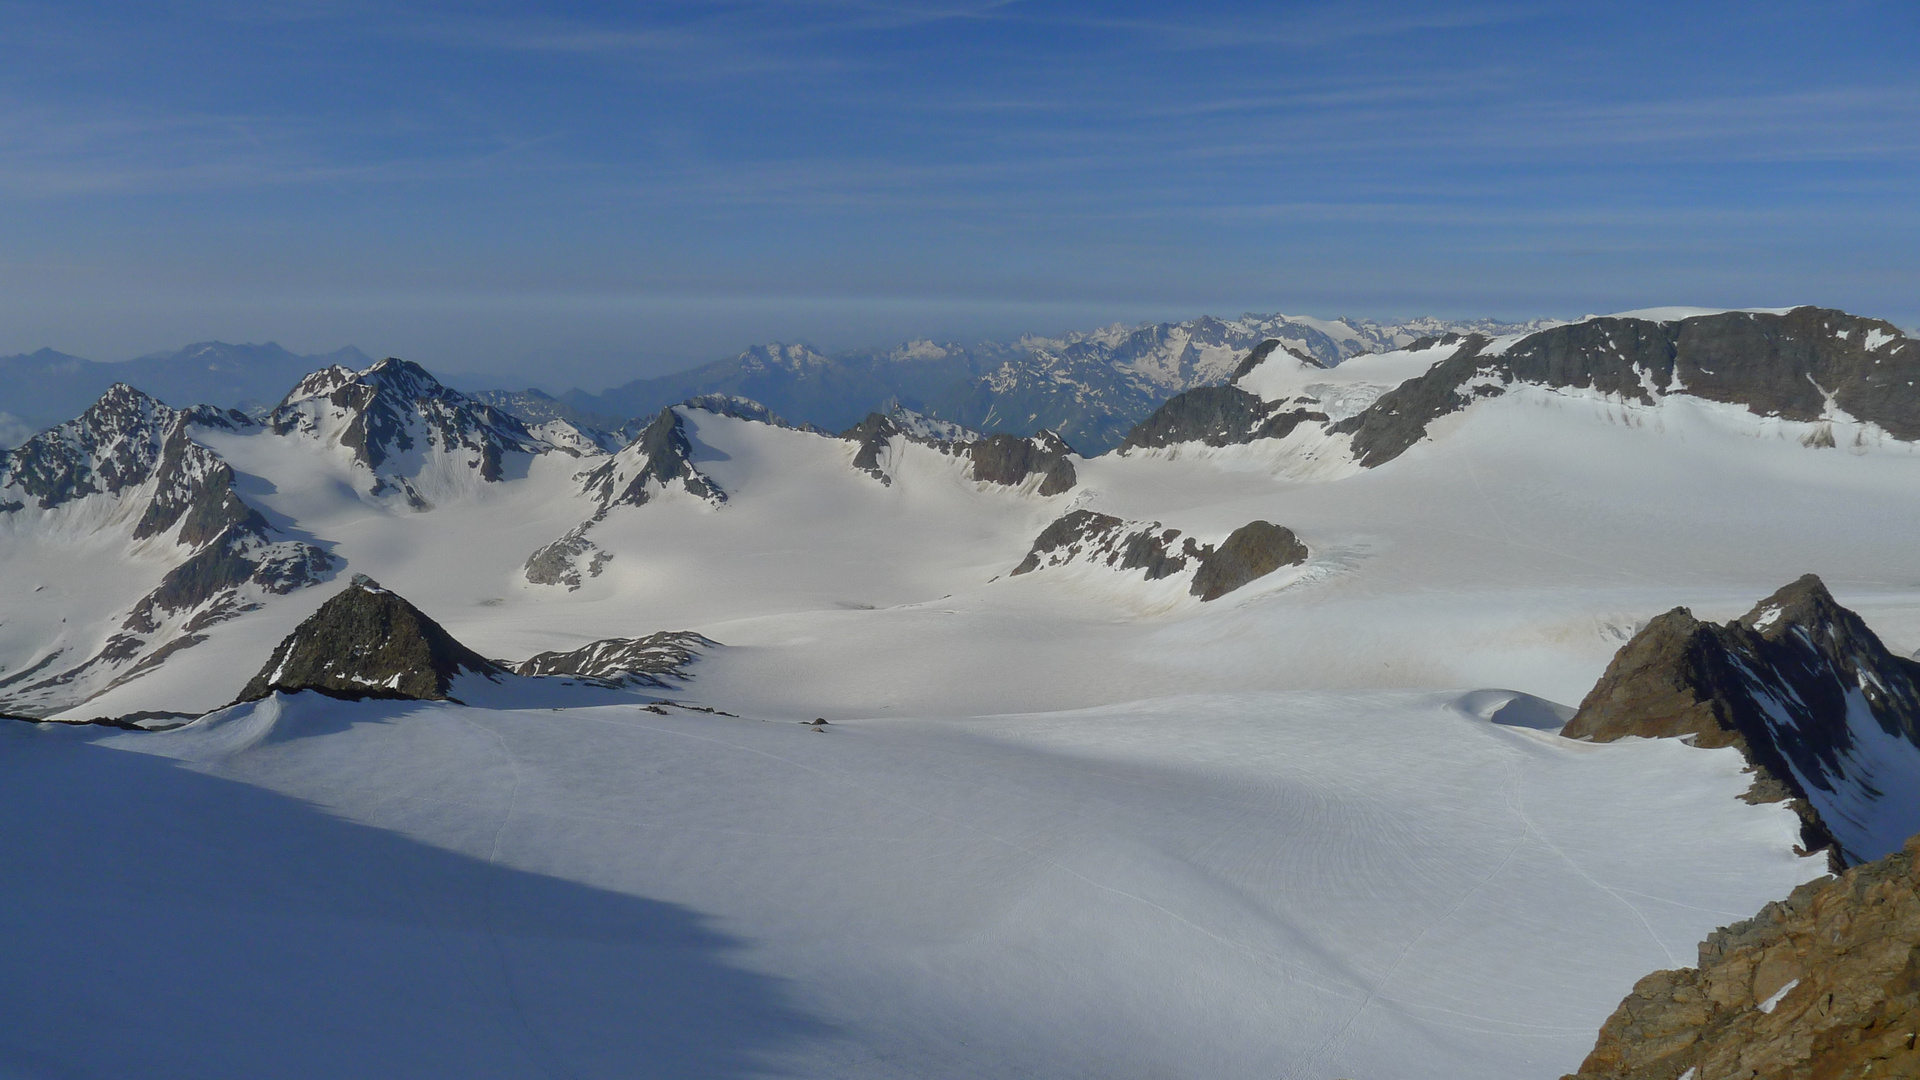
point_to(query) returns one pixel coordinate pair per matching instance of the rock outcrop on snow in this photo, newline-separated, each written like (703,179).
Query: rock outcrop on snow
(369,642)
(1217,416)
(657,660)
(136,460)
(877,437)
(1826,715)
(1808,364)
(1011,460)
(1825,984)
(660,458)
(1252,551)
(872,438)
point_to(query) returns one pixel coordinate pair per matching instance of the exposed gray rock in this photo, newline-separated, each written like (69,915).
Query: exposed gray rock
(657,660)
(1802,687)
(1217,416)
(1252,551)
(394,408)
(1798,366)
(1086,536)
(130,447)
(871,438)
(662,456)
(568,561)
(369,642)
(1010,460)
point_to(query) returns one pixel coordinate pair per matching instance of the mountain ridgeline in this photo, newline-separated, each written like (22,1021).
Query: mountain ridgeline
(154,485)
(1810,365)
(1089,388)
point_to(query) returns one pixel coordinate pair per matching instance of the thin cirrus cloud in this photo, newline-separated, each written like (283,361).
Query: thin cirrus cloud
(1112,155)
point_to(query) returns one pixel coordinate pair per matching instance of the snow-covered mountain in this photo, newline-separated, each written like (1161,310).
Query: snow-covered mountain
(1089,388)
(1265,705)
(128,484)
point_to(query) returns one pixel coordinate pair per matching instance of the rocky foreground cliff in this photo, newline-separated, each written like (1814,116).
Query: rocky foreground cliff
(1820,986)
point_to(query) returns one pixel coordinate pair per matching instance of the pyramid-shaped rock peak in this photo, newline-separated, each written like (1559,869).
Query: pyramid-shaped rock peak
(369,642)
(1826,715)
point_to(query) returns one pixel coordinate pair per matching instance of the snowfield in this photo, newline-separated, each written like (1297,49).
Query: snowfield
(1300,885)
(1066,824)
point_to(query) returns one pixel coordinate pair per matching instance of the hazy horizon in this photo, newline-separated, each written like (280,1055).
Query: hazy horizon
(585,194)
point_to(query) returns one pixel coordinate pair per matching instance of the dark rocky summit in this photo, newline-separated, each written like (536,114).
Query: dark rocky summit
(1822,986)
(661,456)
(871,438)
(1258,355)
(1010,460)
(394,408)
(1217,416)
(655,660)
(1797,366)
(1252,551)
(658,459)
(1223,415)
(1827,717)
(368,642)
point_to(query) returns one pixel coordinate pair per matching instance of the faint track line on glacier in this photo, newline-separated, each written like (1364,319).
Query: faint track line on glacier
(1335,1039)
(1293,968)
(535,1040)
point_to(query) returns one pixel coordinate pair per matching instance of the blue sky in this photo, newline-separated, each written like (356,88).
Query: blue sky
(578,193)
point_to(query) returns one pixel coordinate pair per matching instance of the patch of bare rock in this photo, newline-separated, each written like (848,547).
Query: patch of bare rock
(1820,986)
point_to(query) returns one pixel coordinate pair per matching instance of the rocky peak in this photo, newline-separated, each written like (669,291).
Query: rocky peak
(112,446)
(1825,984)
(1826,716)
(1257,356)
(871,438)
(1010,460)
(659,459)
(395,416)
(369,642)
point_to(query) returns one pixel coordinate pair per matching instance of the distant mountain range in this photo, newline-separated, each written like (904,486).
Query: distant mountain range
(43,388)
(1090,388)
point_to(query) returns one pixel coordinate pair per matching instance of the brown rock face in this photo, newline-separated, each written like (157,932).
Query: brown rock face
(1252,551)
(1823,985)
(1827,717)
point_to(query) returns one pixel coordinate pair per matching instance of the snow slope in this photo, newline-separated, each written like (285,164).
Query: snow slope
(1254,885)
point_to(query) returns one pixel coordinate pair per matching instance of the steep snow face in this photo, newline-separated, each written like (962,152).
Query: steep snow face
(415,438)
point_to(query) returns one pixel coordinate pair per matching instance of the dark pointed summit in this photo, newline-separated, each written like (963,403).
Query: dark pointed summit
(369,642)
(1828,718)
